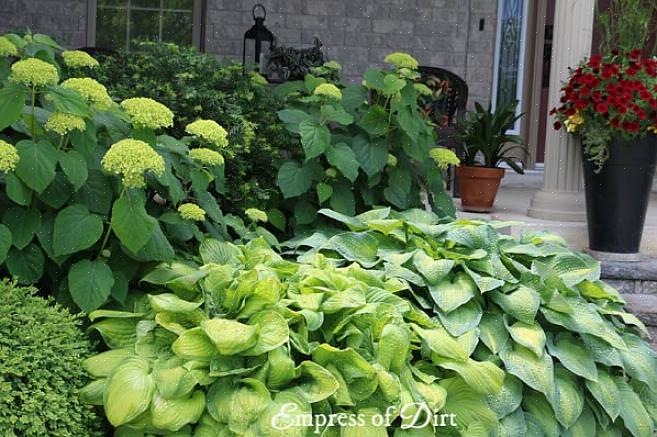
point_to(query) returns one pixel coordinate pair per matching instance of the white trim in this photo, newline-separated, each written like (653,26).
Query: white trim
(521,61)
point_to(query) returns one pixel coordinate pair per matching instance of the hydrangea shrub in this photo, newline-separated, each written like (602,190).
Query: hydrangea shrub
(90,188)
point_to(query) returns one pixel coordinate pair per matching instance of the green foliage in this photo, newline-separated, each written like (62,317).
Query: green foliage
(196,85)
(627,25)
(83,211)
(484,136)
(41,373)
(574,360)
(363,145)
(226,345)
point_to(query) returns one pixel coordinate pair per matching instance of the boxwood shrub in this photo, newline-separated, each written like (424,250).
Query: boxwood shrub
(41,374)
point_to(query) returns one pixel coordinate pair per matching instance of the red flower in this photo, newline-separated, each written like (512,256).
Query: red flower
(557,125)
(601,108)
(635,54)
(615,122)
(595,61)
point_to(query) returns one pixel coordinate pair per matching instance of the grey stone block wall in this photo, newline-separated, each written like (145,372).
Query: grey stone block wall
(64,19)
(358,33)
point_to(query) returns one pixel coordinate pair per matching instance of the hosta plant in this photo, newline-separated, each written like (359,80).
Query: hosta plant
(363,145)
(247,343)
(89,190)
(573,359)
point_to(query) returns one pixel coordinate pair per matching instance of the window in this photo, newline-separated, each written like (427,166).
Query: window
(510,54)
(115,24)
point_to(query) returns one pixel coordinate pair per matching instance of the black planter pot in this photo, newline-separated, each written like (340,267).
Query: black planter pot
(617,197)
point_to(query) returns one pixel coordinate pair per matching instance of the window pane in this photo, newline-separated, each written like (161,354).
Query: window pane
(144,25)
(509,56)
(111,26)
(153,4)
(186,5)
(177,27)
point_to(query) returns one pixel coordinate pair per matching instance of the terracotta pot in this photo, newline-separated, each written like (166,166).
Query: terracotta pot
(478,186)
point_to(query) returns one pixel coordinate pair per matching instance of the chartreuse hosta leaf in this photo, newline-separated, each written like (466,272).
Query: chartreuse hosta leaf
(573,355)
(541,412)
(173,414)
(522,303)
(468,405)
(530,336)
(229,336)
(493,332)
(452,292)
(129,391)
(605,391)
(462,319)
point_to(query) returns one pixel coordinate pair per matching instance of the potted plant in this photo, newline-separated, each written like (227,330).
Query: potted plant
(610,103)
(486,144)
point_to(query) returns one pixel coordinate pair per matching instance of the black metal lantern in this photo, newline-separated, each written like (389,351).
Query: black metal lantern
(259,34)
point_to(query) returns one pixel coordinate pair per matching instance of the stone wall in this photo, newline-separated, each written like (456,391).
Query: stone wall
(358,33)
(64,19)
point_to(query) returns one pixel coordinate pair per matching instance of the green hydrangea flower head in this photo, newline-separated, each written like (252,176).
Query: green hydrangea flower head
(256,215)
(79,59)
(329,91)
(392,160)
(7,48)
(331,172)
(147,113)
(90,90)
(332,65)
(131,159)
(62,123)
(8,157)
(191,212)
(423,90)
(34,73)
(206,156)
(210,131)
(444,157)
(258,78)
(402,60)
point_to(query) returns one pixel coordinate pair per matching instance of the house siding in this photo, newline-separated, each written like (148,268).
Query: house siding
(358,33)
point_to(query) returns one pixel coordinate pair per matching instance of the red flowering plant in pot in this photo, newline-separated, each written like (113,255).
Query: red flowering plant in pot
(610,103)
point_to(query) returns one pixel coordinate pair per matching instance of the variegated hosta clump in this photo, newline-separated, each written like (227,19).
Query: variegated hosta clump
(573,359)
(226,349)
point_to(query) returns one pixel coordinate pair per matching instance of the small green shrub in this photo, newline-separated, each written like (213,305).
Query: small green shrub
(89,191)
(195,85)
(41,373)
(363,145)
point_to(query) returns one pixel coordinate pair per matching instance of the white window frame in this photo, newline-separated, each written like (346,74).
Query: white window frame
(197,23)
(521,62)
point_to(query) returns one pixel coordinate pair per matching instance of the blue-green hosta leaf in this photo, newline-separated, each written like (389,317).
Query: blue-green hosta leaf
(92,393)
(238,403)
(585,425)
(573,355)
(194,344)
(482,376)
(103,364)
(639,360)
(117,333)
(605,391)
(567,399)
(634,415)
(513,424)
(462,319)
(357,247)
(229,336)
(493,332)
(648,397)
(536,372)
(573,268)
(522,303)
(129,391)
(433,270)
(530,336)
(219,252)
(273,332)
(627,318)
(171,303)
(442,343)
(468,405)
(537,406)
(314,383)
(534,250)
(395,270)
(173,414)
(508,399)
(602,352)
(452,292)
(585,320)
